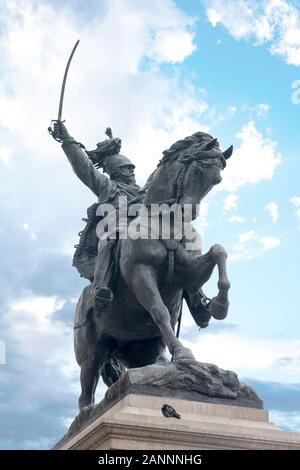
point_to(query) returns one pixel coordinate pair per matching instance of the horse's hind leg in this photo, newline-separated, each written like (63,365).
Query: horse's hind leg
(90,371)
(89,377)
(144,284)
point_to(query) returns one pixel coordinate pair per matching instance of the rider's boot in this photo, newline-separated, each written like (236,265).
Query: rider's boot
(103,296)
(103,274)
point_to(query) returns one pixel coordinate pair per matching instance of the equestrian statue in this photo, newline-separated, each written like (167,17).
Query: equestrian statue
(126,316)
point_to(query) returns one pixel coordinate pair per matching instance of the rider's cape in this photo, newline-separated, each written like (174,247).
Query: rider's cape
(84,258)
(86,250)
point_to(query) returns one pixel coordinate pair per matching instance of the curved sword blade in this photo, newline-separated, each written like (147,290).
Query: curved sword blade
(61,101)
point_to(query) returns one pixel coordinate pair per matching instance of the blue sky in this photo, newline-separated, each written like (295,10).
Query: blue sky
(155,71)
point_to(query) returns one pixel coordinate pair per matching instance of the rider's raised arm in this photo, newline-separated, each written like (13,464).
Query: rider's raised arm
(80,162)
(84,169)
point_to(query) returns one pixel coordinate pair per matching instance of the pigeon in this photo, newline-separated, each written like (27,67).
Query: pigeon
(169,412)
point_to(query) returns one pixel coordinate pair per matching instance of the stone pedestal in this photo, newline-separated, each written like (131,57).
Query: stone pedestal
(135,422)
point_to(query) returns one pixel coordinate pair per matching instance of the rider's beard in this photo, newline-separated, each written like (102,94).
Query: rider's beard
(125,179)
(131,179)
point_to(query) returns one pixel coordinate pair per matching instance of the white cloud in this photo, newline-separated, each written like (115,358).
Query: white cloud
(232,110)
(226,12)
(31,233)
(216,116)
(273,22)
(173,45)
(2,352)
(257,357)
(42,342)
(295,201)
(246,236)
(290,364)
(38,308)
(213,16)
(261,109)
(250,245)
(273,210)
(236,219)
(230,202)
(202,106)
(203,212)
(289,420)
(202,220)
(5,154)
(253,161)
(268,243)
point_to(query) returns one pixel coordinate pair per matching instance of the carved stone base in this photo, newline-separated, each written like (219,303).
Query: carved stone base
(217,413)
(190,380)
(136,422)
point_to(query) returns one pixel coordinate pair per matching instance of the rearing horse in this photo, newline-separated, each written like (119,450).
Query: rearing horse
(139,324)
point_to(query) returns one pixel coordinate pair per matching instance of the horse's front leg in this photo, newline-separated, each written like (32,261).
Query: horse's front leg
(144,284)
(218,306)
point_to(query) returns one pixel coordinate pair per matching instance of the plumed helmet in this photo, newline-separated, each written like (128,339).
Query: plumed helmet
(107,155)
(116,161)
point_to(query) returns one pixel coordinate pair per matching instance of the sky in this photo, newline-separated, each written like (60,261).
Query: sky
(154,71)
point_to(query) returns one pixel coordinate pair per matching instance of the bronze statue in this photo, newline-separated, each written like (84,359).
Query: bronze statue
(136,324)
(126,316)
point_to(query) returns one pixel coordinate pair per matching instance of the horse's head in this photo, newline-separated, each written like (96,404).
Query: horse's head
(203,162)
(188,170)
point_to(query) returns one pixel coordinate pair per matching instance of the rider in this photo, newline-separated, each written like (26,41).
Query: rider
(121,183)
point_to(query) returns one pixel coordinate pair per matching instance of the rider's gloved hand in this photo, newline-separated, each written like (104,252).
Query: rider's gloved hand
(60,131)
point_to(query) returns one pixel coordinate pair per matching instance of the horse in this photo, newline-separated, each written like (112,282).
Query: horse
(138,326)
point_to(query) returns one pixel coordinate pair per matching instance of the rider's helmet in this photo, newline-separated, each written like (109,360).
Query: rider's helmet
(107,155)
(116,161)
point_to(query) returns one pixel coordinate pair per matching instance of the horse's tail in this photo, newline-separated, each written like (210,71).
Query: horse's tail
(112,371)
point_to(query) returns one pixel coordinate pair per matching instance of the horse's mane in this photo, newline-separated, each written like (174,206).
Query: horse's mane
(176,149)
(173,153)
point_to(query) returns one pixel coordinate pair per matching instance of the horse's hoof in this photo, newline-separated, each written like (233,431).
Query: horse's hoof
(161,360)
(203,324)
(87,408)
(218,309)
(183,354)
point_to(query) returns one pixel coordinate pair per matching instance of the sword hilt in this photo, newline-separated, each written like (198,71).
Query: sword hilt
(52,133)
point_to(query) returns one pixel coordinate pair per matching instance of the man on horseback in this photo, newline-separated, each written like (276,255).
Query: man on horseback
(120,184)
(97,263)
